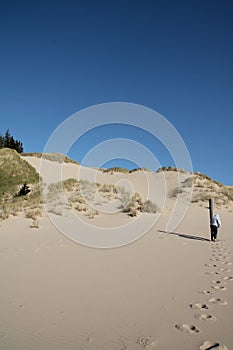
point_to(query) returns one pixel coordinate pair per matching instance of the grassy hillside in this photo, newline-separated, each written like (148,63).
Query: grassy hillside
(14,172)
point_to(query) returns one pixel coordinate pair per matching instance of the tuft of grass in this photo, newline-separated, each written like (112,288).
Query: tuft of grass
(174,193)
(150,207)
(70,184)
(35,223)
(188,182)
(171,168)
(138,169)
(33,213)
(202,176)
(138,205)
(115,170)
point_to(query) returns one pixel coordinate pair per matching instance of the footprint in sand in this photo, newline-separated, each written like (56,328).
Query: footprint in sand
(199,306)
(227,278)
(204,317)
(206,292)
(211,265)
(187,328)
(216,282)
(225,270)
(216,258)
(227,263)
(145,342)
(219,287)
(124,347)
(208,345)
(217,301)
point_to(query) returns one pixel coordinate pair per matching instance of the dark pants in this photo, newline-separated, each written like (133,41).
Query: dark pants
(214,232)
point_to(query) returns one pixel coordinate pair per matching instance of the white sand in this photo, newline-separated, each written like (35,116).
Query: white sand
(58,294)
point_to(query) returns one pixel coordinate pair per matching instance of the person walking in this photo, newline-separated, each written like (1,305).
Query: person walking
(215,223)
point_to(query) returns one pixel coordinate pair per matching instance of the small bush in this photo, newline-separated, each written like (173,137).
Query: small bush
(150,207)
(188,182)
(69,184)
(137,204)
(175,192)
(35,223)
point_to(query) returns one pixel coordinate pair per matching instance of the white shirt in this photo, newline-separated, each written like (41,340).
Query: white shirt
(215,220)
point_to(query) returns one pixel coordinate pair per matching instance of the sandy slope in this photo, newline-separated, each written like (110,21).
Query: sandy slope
(57,294)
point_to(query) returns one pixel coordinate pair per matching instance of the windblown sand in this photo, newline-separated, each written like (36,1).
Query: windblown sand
(167,290)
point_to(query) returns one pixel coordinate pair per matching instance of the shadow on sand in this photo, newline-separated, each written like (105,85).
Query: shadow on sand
(182,235)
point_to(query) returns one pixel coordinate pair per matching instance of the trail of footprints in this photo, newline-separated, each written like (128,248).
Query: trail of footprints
(219,263)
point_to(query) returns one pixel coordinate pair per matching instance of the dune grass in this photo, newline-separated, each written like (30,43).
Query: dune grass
(121,170)
(14,172)
(84,196)
(54,157)
(205,188)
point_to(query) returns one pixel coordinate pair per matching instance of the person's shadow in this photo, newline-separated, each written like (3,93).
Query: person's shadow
(183,235)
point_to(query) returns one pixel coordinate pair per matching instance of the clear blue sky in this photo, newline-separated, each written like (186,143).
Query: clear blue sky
(58,57)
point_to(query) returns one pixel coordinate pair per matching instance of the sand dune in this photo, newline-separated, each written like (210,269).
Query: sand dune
(167,290)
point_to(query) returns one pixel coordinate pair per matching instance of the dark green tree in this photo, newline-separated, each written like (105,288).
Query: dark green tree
(1,141)
(8,141)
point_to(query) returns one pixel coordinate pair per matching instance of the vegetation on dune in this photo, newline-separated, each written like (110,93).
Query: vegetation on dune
(121,170)
(171,168)
(115,170)
(19,184)
(14,171)
(138,205)
(85,197)
(204,188)
(20,190)
(53,157)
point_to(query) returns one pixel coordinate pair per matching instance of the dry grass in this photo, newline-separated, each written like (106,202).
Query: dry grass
(175,192)
(171,168)
(138,205)
(11,205)
(84,196)
(53,157)
(14,172)
(205,188)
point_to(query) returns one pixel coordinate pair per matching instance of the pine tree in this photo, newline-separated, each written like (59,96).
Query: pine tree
(8,141)
(1,141)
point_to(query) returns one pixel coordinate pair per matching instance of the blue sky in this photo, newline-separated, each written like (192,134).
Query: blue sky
(172,56)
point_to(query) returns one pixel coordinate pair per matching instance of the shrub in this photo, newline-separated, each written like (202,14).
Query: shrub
(150,207)
(137,204)
(188,182)
(175,192)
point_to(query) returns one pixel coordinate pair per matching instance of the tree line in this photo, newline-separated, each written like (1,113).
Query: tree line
(8,141)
